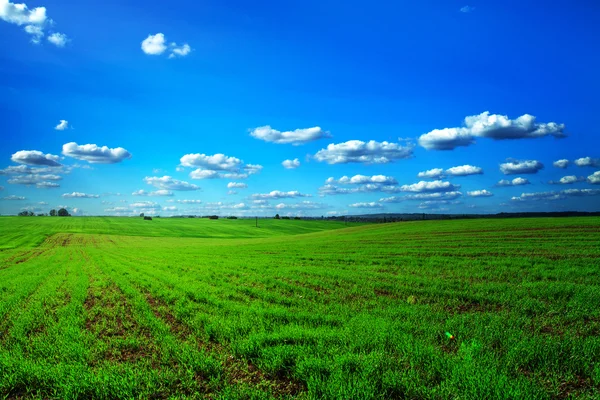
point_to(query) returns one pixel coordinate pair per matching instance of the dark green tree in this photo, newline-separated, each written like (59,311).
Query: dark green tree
(63,213)
(276,216)
(53,213)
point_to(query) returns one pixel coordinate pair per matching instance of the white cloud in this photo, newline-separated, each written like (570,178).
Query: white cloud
(295,137)
(366,205)
(467,9)
(569,179)
(464,170)
(260,202)
(303,205)
(276,194)
(154,44)
(492,126)
(433,186)
(435,173)
(169,208)
(34,157)
(145,205)
(594,178)
(180,51)
(514,182)
(422,196)
(564,163)
(291,164)
(588,162)
(557,195)
(13,197)
(356,151)
(161,192)
(252,169)
(58,39)
(480,193)
(521,167)
(63,124)
(217,162)
(95,154)
(205,174)
(46,185)
(168,183)
(189,201)
(41,181)
(363,179)
(232,192)
(236,185)
(79,195)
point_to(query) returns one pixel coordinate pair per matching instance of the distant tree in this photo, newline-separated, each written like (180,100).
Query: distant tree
(213,217)
(148,218)
(296,217)
(276,216)
(285,217)
(23,214)
(232,217)
(63,213)
(53,213)
(142,215)
(41,215)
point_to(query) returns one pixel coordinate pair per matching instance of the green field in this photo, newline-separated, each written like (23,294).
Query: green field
(190,308)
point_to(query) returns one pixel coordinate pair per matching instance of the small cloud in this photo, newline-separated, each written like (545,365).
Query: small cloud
(480,193)
(154,44)
(34,157)
(467,9)
(366,205)
(357,151)
(13,197)
(58,39)
(181,51)
(295,137)
(594,178)
(236,185)
(514,182)
(521,167)
(291,164)
(588,162)
(95,154)
(63,124)
(79,195)
(561,163)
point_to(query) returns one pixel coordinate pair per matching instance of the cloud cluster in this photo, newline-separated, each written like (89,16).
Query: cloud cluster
(95,154)
(568,180)
(557,195)
(357,151)
(168,183)
(291,164)
(430,187)
(515,182)
(33,20)
(79,195)
(161,192)
(41,181)
(439,173)
(362,180)
(155,45)
(295,137)
(276,194)
(480,193)
(218,166)
(422,196)
(491,126)
(35,157)
(371,205)
(521,167)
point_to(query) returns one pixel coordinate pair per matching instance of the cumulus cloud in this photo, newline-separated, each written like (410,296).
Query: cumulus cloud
(34,157)
(58,39)
(218,166)
(161,192)
(371,204)
(514,182)
(33,20)
(145,205)
(156,45)
(356,151)
(168,183)
(95,154)
(435,173)
(276,194)
(79,195)
(480,193)
(303,205)
(564,163)
(180,51)
(13,197)
(557,195)
(464,170)
(62,125)
(291,164)
(422,196)
(433,186)
(521,167)
(467,9)
(236,185)
(594,178)
(491,126)
(295,137)
(41,181)
(569,179)
(363,179)
(588,162)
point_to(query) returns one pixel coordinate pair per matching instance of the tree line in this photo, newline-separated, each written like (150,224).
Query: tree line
(62,212)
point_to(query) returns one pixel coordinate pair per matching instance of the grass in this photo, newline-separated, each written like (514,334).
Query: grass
(125,308)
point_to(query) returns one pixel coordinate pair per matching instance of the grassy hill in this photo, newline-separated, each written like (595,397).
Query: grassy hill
(470,309)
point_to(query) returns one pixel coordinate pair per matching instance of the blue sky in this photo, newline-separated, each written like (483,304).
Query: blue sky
(182,101)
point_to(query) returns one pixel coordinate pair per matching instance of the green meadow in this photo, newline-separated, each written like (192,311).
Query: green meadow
(113,308)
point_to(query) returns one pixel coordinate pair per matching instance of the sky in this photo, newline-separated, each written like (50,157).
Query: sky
(302,108)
